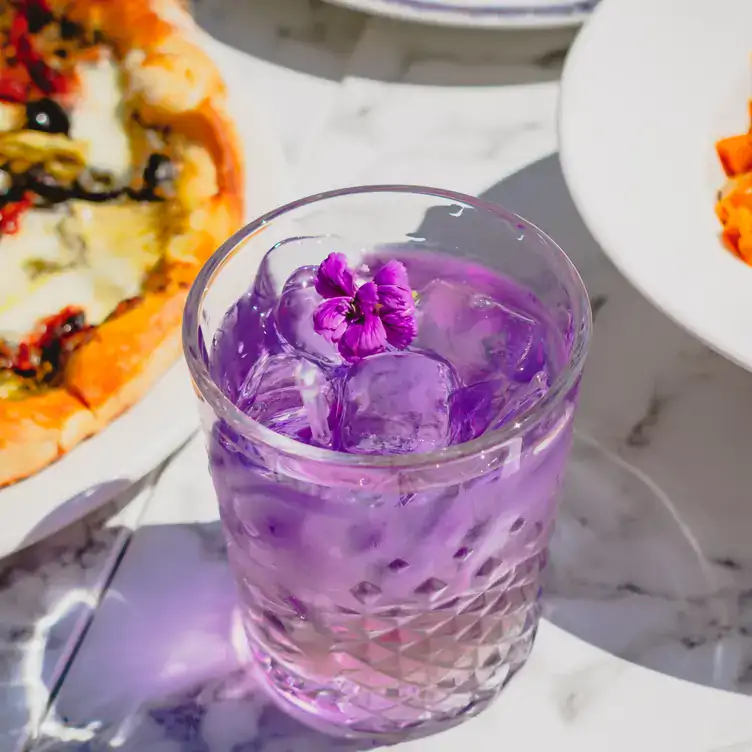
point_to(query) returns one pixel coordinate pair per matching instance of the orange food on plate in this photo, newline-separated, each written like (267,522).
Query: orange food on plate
(734,205)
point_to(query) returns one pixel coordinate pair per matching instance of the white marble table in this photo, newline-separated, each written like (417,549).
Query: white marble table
(120,631)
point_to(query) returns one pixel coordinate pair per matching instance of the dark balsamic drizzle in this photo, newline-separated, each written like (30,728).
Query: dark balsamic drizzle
(65,332)
(158,171)
(100,197)
(48,116)
(14,192)
(45,186)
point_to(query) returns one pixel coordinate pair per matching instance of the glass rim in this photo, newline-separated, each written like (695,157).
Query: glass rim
(224,408)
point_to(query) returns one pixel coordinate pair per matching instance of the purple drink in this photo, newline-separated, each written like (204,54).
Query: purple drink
(388,516)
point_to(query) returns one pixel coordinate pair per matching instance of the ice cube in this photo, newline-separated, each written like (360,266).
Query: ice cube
(290,395)
(488,405)
(293,318)
(396,403)
(245,333)
(482,337)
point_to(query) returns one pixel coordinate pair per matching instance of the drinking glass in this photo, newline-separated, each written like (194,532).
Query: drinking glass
(388,596)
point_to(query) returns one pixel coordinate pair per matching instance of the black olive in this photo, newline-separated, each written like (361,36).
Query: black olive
(69,29)
(46,115)
(159,169)
(72,325)
(37,17)
(51,355)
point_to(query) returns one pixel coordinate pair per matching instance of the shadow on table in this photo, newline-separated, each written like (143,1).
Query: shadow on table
(81,505)
(48,593)
(161,666)
(319,39)
(630,573)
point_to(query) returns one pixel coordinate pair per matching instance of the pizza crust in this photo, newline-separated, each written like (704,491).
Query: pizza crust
(170,76)
(36,431)
(127,355)
(175,83)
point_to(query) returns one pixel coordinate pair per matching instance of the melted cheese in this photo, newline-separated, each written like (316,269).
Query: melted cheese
(38,238)
(121,243)
(37,241)
(98,119)
(51,293)
(12,116)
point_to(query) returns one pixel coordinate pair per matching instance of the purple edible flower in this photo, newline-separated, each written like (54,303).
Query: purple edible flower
(361,321)
(333,277)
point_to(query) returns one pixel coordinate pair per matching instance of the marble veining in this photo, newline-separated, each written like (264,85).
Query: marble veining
(655,491)
(168,630)
(301,49)
(48,593)
(321,28)
(168,641)
(651,573)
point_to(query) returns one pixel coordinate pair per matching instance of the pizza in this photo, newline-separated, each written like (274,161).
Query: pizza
(120,173)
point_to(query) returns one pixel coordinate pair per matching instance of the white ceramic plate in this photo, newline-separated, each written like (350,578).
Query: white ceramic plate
(148,433)
(480,13)
(648,88)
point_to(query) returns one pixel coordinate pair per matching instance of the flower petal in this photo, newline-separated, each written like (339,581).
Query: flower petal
(396,300)
(333,278)
(395,295)
(364,338)
(367,297)
(393,273)
(400,329)
(330,318)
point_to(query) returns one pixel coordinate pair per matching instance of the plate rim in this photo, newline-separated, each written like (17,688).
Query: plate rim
(95,489)
(702,328)
(566,14)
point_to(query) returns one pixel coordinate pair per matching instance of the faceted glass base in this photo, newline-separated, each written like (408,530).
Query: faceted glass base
(327,711)
(403,675)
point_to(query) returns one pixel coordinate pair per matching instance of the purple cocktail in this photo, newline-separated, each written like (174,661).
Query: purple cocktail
(387,487)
